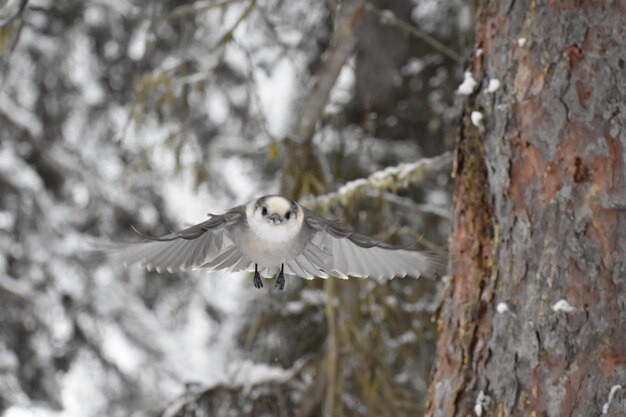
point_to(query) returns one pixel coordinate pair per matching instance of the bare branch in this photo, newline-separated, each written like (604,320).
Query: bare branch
(342,46)
(195,8)
(302,169)
(332,356)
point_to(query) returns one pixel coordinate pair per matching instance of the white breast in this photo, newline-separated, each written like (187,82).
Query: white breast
(274,233)
(269,244)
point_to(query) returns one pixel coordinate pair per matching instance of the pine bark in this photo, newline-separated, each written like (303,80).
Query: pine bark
(540,204)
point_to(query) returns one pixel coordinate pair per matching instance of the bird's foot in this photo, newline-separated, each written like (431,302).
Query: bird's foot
(280,281)
(257,281)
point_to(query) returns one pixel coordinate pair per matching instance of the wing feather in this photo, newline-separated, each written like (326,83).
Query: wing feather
(309,269)
(310,265)
(171,256)
(353,254)
(225,259)
(196,253)
(297,269)
(318,251)
(192,247)
(382,263)
(242,265)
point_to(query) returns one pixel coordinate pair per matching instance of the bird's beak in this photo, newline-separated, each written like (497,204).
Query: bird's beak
(275,218)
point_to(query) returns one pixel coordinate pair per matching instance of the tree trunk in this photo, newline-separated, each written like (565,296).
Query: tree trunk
(540,204)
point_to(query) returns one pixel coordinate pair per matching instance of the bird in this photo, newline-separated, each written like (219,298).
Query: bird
(275,236)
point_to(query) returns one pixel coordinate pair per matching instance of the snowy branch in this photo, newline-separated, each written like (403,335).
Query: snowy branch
(391,178)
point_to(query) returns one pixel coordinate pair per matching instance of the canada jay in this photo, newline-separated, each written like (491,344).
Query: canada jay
(276,235)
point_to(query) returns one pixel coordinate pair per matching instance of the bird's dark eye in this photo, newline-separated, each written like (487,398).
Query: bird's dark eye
(288,215)
(264,211)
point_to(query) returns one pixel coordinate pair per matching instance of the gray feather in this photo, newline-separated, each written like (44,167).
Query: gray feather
(192,247)
(349,253)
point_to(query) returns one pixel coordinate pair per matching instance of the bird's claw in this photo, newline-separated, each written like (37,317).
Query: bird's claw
(280,281)
(257,281)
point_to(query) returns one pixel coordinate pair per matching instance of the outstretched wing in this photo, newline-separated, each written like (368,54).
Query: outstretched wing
(354,254)
(190,248)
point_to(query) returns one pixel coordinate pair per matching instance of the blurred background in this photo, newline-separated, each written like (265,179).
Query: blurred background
(133,112)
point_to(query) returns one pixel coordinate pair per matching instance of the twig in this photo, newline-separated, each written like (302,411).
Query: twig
(195,8)
(332,359)
(226,37)
(388,18)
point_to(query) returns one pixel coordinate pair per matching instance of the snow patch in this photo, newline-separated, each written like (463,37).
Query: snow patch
(138,41)
(482,403)
(275,92)
(493,86)
(477,120)
(464,19)
(121,351)
(425,12)
(614,389)
(20,116)
(468,85)
(7,220)
(17,172)
(217,105)
(30,411)
(387,17)
(83,71)
(413,67)
(564,306)
(248,374)
(352,186)
(407,337)
(502,308)
(341,93)
(81,389)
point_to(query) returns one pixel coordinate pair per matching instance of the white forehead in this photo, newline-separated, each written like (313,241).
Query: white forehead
(277,204)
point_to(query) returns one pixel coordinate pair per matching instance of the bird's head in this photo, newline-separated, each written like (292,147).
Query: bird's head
(275,218)
(276,210)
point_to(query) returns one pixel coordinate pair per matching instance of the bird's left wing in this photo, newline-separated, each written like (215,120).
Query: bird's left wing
(186,249)
(353,254)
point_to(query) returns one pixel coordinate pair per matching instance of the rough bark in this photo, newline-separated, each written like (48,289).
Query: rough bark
(540,204)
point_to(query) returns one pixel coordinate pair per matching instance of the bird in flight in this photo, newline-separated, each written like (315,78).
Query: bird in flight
(273,235)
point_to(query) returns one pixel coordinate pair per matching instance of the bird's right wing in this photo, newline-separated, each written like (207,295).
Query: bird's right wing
(349,253)
(190,248)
